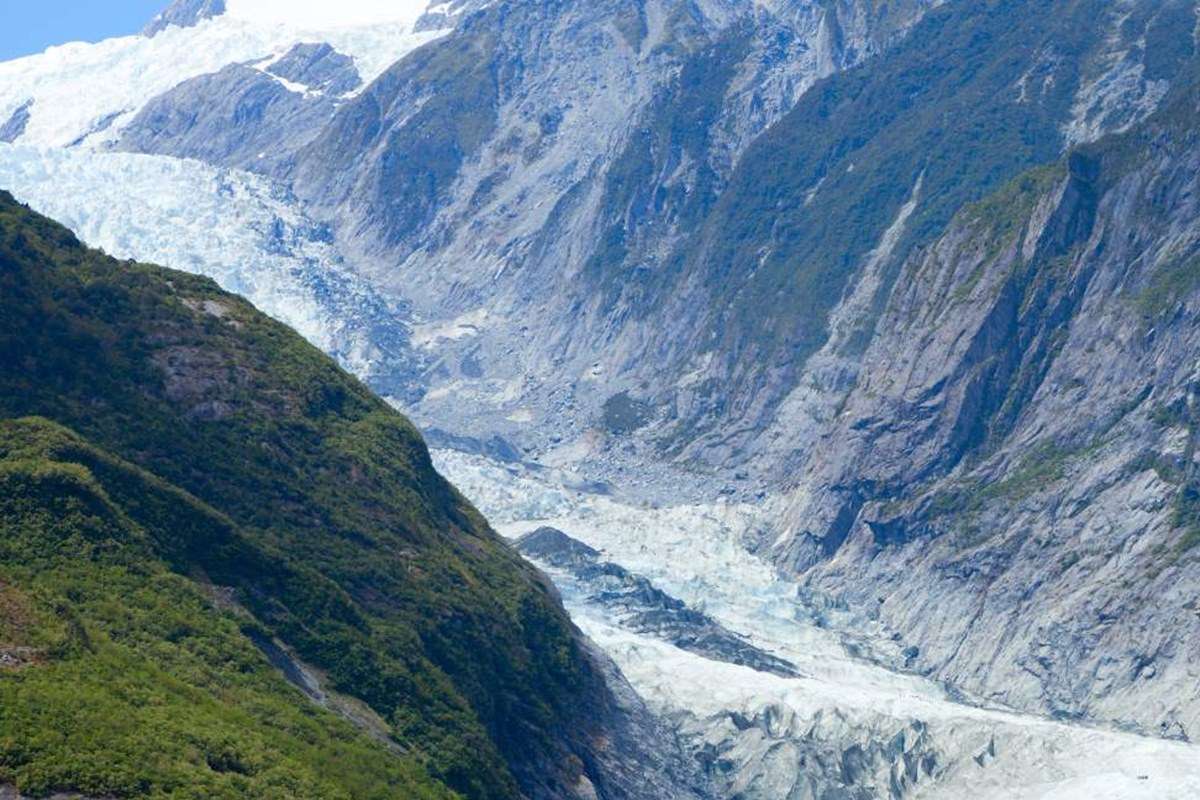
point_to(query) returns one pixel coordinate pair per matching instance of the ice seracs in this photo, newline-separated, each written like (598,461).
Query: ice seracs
(231,226)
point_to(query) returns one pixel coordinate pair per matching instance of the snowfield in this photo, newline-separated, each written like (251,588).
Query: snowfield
(322,15)
(85,93)
(694,552)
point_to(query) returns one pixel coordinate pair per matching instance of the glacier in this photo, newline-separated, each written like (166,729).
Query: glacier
(852,694)
(853,703)
(239,229)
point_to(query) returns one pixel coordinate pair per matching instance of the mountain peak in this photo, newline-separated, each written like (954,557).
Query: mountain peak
(184,14)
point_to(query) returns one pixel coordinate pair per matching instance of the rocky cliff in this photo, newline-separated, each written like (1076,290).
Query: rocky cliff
(1010,481)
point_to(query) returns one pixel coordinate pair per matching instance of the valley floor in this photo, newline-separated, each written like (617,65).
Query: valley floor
(852,719)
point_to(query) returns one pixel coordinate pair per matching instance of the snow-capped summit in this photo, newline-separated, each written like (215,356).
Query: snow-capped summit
(84,94)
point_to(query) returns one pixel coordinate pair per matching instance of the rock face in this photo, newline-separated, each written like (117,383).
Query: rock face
(318,68)
(14,127)
(250,116)
(184,13)
(1011,479)
(680,177)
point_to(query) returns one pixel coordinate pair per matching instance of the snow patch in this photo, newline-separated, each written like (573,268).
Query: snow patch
(430,334)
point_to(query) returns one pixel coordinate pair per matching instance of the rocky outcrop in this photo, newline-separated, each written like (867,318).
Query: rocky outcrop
(184,13)
(639,606)
(249,116)
(317,68)
(12,129)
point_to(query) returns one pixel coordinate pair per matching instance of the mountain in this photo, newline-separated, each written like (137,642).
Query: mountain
(200,507)
(743,176)
(849,344)
(1012,477)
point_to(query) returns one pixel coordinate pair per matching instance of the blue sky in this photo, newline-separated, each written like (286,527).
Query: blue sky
(30,27)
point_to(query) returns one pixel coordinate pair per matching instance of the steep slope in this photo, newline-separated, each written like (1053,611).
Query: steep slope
(1011,480)
(122,678)
(869,164)
(488,162)
(499,178)
(680,213)
(331,530)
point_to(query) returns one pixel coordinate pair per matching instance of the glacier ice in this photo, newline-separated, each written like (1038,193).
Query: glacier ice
(324,15)
(239,229)
(842,701)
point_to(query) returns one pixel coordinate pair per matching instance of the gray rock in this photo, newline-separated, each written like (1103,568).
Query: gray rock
(552,546)
(14,128)
(239,117)
(641,607)
(1011,481)
(319,67)
(185,14)
(486,170)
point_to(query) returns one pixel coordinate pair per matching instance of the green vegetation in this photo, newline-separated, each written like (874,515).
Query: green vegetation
(134,685)
(1005,213)
(959,505)
(624,415)
(1170,285)
(675,131)
(213,446)
(1185,508)
(940,105)
(1185,515)
(968,101)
